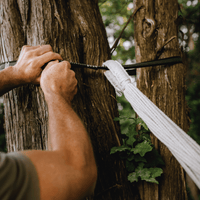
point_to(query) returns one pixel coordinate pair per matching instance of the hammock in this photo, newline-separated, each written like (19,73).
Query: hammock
(181,145)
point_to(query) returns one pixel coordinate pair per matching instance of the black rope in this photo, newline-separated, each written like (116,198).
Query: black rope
(130,68)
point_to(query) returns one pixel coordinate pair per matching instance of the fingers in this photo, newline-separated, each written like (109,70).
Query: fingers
(66,63)
(45,58)
(27,47)
(49,65)
(37,50)
(42,50)
(37,81)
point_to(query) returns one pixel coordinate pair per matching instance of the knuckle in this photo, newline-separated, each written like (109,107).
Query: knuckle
(29,53)
(25,47)
(72,73)
(48,46)
(51,54)
(56,55)
(67,64)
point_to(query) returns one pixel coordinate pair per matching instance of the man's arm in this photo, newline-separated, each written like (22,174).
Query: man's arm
(28,67)
(8,80)
(68,171)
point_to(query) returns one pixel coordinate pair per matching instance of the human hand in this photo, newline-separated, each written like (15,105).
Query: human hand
(31,59)
(59,80)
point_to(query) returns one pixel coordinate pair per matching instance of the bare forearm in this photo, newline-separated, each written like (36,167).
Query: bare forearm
(8,80)
(68,134)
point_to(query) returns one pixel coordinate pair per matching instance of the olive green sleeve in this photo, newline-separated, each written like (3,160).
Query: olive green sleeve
(18,178)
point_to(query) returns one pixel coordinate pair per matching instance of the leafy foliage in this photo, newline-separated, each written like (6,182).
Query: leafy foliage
(141,158)
(115,14)
(189,24)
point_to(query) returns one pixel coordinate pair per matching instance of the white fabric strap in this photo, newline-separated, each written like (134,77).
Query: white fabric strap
(181,145)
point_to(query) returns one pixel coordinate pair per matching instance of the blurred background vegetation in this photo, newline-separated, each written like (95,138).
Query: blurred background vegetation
(115,14)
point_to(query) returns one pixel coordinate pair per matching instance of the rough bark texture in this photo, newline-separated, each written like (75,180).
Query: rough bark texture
(155,23)
(75,30)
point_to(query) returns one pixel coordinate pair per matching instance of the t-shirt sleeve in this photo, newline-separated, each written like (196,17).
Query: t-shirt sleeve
(18,178)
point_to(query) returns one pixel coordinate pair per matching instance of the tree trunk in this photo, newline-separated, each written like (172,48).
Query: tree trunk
(75,30)
(155,23)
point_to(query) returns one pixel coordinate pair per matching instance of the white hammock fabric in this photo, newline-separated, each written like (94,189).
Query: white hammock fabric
(182,146)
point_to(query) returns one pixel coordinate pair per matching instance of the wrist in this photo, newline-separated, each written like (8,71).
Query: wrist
(17,80)
(52,98)
(18,76)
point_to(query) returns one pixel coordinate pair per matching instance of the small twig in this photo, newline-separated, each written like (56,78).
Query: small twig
(56,14)
(113,97)
(168,41)
(117,40)
(159,51)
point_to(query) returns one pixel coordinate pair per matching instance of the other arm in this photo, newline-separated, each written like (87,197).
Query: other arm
(9,80)
(28,67)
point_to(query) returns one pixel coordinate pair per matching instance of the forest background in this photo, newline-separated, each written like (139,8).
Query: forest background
(115,14)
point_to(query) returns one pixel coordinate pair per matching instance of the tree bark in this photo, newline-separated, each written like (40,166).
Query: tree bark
(155,24)
(75,30)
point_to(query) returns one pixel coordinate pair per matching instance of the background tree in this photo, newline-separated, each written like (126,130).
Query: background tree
(75,30)
(188,26)
(155,24)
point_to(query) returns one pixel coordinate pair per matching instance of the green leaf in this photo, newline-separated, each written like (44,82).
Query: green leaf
(140,165)
(130,166)
(149,174)
(131,157)
(130,140)
(141,123)
(132,177)
(119,149)
(146,136)
(119,118)
(142,148)
(151,180)
(132,127)
(132,130)
(143,173)
(155,172)
(138,158)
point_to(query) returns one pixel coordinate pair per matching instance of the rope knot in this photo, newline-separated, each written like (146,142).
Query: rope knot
(118,77)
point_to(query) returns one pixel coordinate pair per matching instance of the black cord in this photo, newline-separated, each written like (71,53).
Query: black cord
(130,68)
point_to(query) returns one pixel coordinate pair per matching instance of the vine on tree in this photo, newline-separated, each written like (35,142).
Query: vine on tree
(142,160)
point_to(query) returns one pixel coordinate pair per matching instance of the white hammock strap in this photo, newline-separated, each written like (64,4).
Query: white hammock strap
(181,145)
